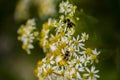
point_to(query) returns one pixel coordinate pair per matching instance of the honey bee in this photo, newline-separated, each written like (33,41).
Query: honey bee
(69,23)
(66,55)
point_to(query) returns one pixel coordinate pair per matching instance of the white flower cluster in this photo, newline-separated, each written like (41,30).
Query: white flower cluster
(67,58)
(45,5)
(22,11)
(27,34)
(67,8)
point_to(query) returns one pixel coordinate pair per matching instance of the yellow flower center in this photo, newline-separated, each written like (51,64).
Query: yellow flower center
(25,46)
(48,54)
(78,61)
(72,50)
(44,73)
(41,42)
(47,46)
(45,26)
(62,34)
(56,52)
(35,71)
(43,33)
(88,51)
(91,73)
(58,24)
(94,57)
(21,30)
(62,73)
(62,45)
(49,71)
(47,61)
(74,75)
(40,63)
(62,62)
(76,42)
(54,39)
(84,38)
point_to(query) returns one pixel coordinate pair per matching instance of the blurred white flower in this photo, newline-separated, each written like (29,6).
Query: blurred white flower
(26,35)
(84,37)
(22,10)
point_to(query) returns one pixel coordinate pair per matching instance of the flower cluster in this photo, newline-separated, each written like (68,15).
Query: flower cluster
(45,5)
(27,34)
(41,5)
(66,58)
(67,8)
(22,10)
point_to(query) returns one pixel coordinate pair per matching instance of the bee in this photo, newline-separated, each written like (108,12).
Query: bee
(66,55)
(66,20)
(69,23)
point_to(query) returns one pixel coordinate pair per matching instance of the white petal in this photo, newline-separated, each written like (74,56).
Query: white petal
(97,76)
(85,74)
(92,68)
(96,71)
(87,70)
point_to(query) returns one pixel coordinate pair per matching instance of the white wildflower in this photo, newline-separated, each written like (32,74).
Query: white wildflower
(92,73)
(84,37)
(26,35)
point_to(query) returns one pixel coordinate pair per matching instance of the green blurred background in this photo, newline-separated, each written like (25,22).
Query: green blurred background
(100,19)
